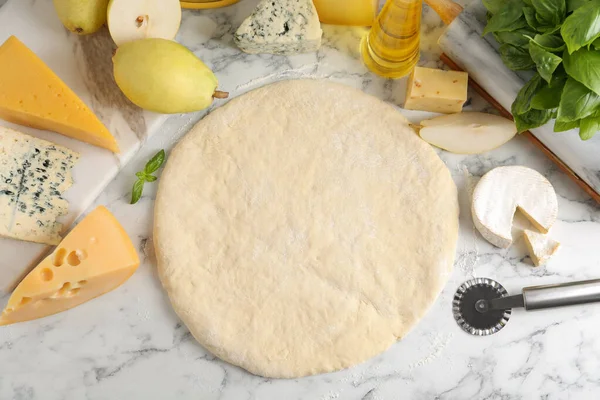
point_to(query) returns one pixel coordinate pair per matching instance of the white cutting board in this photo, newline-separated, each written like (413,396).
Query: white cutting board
(83,63)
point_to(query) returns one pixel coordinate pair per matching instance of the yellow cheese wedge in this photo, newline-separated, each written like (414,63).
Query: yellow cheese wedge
(96,257)
(347,12)
(32,95)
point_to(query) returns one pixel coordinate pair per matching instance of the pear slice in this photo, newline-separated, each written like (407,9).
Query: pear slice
(468,132)
(130,20)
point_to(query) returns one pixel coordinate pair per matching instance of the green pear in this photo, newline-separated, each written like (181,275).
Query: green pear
(82,16)
(163,76)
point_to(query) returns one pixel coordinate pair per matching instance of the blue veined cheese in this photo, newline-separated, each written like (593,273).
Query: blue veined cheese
(33,175)
(280,27)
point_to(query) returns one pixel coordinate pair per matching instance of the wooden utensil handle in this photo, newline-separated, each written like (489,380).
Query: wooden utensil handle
(535,141)
(446,9)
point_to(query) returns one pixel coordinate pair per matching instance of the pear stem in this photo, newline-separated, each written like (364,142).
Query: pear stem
(220,95)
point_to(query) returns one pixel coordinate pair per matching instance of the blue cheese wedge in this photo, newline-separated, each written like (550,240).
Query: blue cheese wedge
(33,175)
(280,27)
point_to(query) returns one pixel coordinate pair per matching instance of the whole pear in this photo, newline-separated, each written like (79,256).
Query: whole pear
(163,76)
(82,16)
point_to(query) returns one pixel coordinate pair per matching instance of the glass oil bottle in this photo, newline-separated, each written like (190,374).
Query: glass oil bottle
(391,49)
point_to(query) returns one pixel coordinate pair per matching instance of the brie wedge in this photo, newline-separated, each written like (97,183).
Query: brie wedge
(501,192)
(541,247)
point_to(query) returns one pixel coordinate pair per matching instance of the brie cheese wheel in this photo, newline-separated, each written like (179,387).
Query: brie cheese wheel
(541,247)
(501,192)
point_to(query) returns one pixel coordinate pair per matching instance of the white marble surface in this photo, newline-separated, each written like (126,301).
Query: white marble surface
(129,344)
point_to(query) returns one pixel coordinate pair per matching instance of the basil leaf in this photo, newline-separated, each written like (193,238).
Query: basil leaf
(589,126)
(577,102)
(518,38)
(596,44)
(494,6)
(582,27)
(516,58)
(532,119)
(136,193)
(550,42)
(584,66)
(508,18)
(560,126)
(522,103)
(155,162)
(547,98)
(545,62)
(150,178)
(573,5)
(550,12)
(529,13)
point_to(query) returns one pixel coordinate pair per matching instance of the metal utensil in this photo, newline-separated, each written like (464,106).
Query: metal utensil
(482,306)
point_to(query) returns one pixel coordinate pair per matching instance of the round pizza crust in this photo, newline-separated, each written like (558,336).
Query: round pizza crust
(303,228)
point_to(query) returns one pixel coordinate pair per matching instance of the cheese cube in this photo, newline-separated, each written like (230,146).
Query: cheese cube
(436,90)
(347,12)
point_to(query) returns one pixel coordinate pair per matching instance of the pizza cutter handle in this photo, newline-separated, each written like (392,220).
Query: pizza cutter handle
(566,294)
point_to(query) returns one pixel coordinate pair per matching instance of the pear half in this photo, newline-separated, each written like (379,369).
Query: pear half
(130,20)
(468,132)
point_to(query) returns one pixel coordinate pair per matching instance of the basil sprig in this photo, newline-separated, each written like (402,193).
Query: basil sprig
(146,175)
(560,41)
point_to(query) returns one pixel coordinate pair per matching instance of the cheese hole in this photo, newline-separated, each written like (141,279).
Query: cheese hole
(64,289)
(81,283)
(75,257)
(72,292)
(25,300)
(59,257)
(47,274)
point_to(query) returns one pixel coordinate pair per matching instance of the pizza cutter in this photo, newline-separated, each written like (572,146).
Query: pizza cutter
(482,306)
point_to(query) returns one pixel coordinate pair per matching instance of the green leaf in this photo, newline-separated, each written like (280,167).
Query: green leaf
(596,44)
(150,178)
(547,98)
(529,13)
(141,175)
(494,6)
(584,66)
(522,103)
(582,27)
(563,126)
(518,38)
(136,193)
(573,5)
(550,42)
(545,62)
(532,119)
(550,12)
(589,126)
(516,58)
(508,18)
(155,162)
(577,102)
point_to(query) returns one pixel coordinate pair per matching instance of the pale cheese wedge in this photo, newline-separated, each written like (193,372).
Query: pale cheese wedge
(96,257)
(501,192)
(541,247)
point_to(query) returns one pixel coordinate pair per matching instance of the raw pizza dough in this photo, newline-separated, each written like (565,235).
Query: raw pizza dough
(303,228)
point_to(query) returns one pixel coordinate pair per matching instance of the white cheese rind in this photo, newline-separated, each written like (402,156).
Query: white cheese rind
(280,27)
(33,175)
(501,192)
(541,247)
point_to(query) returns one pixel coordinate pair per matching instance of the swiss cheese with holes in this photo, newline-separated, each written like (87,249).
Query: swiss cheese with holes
(95,258)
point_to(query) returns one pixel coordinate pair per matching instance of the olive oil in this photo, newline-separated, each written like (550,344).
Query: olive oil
(391,49)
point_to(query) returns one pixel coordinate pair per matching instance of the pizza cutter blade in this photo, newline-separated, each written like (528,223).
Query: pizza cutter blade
(482,306)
